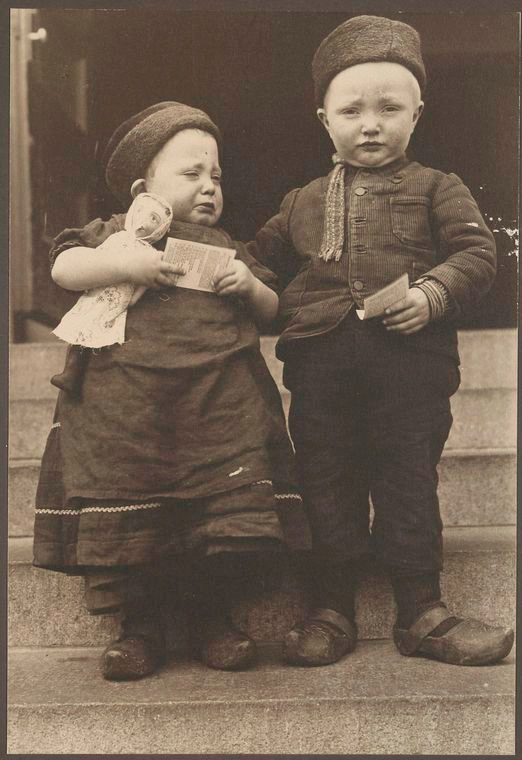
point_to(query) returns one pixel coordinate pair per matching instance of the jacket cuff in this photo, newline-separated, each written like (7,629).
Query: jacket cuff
(438,296)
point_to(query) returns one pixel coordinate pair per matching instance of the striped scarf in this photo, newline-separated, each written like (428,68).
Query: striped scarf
(333,232)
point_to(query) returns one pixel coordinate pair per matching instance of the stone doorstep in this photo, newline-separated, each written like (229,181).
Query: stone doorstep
(372,702)
(478,581)
(500,346)
(483,418)
(477,487)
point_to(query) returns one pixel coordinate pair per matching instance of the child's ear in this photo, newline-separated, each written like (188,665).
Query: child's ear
(323,118)
(417,114)
(137,187)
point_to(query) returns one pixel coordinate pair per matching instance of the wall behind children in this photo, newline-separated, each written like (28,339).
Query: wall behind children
(251,72)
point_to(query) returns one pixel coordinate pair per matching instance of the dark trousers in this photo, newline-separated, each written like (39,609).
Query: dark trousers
(369,417)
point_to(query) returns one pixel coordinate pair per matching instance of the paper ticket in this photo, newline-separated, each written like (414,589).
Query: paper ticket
(375,304)
(201,261)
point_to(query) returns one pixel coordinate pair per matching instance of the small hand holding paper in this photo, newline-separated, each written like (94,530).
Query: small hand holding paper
(410,314)
(146,267)
(236,278)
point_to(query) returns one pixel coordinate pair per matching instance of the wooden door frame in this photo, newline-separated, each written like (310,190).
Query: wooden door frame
(20,205)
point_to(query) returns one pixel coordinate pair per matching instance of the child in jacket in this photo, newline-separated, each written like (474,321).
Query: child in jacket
(370,410)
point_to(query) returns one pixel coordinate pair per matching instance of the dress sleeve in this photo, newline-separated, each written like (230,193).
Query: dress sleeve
(466,245)
(90,236)
(273,247)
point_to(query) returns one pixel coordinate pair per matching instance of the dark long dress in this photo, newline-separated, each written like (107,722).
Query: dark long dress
(178,440)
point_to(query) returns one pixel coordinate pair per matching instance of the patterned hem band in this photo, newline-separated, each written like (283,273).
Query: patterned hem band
(84,510)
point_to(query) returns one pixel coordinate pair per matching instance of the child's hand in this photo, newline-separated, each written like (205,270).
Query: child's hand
(145,266)
(410,314)
(236,279)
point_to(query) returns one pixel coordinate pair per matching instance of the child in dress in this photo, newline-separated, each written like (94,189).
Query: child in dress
(370,409)
(98,317)
(176,454)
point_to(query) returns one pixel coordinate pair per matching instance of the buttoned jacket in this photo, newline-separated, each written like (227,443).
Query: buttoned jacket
(403,217)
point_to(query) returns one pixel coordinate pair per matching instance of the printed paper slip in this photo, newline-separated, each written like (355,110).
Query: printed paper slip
(201,261)
(375,304)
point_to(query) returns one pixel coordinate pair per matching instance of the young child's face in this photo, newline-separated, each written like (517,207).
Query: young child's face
(186,173)
(370,111)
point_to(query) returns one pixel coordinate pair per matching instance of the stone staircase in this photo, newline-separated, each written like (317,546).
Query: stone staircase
(374,701)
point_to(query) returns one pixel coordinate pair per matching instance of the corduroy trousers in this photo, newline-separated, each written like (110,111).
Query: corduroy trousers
(369,417)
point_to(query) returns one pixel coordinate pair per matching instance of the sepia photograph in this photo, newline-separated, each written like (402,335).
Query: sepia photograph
(262,378)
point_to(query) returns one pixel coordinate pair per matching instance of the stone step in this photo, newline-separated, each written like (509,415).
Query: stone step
(375,701)
(483,418)
(476,487)
(488,358)
(479,580)
(29,424)
(32,364)
(21,490)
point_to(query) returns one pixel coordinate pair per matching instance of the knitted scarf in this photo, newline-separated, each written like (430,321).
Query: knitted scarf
(333,231)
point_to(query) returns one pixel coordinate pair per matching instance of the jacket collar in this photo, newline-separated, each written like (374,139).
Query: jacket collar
(385,171)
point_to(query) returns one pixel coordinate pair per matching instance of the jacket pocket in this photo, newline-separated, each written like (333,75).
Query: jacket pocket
(410,218)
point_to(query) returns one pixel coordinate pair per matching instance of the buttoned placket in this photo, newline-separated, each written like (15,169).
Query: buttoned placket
(357,220)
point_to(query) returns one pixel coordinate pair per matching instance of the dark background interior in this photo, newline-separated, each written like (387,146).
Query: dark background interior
(251,73)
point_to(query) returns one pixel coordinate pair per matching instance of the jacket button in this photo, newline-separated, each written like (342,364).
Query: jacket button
(361,190)
(358,285)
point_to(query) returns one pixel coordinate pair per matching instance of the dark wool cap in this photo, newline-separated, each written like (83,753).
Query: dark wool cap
(135,143)
(365,39)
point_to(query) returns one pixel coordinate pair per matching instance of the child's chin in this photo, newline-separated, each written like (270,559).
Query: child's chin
(207,220)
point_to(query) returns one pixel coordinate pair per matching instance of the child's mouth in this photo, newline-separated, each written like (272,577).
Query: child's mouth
(371,145)
(206,207)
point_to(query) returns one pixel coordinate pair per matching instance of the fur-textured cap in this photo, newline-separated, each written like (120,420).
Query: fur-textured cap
(135,143)
(365,39)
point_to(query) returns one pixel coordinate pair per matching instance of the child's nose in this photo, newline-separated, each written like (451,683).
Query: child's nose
(370,125)
(208,186)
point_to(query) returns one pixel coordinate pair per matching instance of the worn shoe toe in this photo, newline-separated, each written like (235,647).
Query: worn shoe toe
(439,635)
(223,647)
(131,658)
(322,639)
